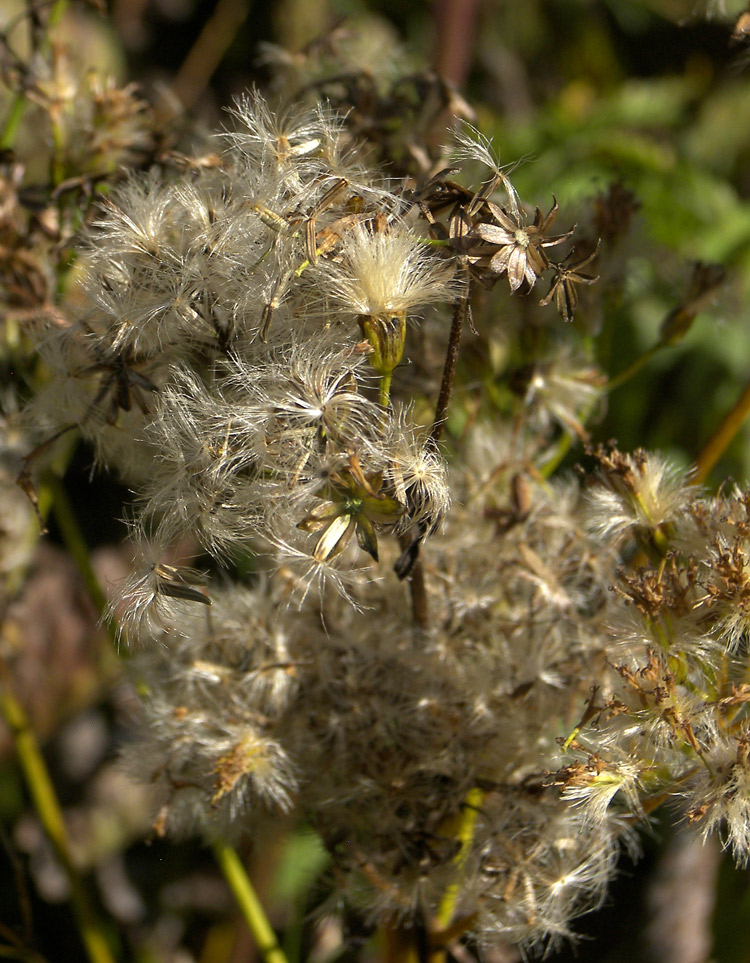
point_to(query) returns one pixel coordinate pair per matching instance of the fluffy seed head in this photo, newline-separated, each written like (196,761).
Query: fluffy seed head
(385,273)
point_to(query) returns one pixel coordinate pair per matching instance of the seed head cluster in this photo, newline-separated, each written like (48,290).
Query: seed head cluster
(558,658)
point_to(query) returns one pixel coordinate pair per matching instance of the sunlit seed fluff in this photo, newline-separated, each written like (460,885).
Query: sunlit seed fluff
(150,313)
(343,171)
(249,644)
(687,635)
(384,273)
(418,474)
(539,870)
(210,742)
(284,142)
(595,789)
(719,798)
(139,221)
(305,570)
(134,270)
(473,145)
(635,494)
(310,387)
(203,484)
(709,522)
(210,761)
(157,597)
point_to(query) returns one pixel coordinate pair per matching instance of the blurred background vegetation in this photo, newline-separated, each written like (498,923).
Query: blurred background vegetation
(635,115)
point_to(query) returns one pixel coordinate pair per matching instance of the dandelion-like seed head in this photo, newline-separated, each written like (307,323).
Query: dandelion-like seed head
(719,798)
(221,345)
(285,141)
(418,474)
(637,493)
(156,598)
(385,273)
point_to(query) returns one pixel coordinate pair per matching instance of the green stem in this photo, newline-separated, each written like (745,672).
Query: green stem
(633,368)
(465,836)
(57,161)
(76,545)
(13,122)
(216,37)
(718,444)
(248,902)
(18,105)
(36,774)
(564,444)
(384,394)
(50,814)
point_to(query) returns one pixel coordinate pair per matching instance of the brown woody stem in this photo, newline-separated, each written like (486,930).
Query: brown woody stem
(449,368)
(408,562)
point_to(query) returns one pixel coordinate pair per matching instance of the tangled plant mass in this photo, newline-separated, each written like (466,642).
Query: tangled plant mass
(475,740)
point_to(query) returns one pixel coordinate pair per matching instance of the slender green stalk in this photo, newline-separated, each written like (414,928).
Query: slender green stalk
(722,437)
(20,100)
(76,545)
(57,161)
(633,368)
(465,836)
(13,121)
(36,774)
(50,814)
(209,49)
(564,444)
(384,393)
(248,902)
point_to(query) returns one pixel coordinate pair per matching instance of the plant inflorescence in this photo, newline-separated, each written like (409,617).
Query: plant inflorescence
(362,595)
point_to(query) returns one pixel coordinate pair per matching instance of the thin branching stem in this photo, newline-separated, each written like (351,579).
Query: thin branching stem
(74,541)
(409,563)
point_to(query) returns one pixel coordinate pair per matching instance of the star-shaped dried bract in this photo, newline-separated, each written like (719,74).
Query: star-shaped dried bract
(563,288)
(353,504)
(520,247)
